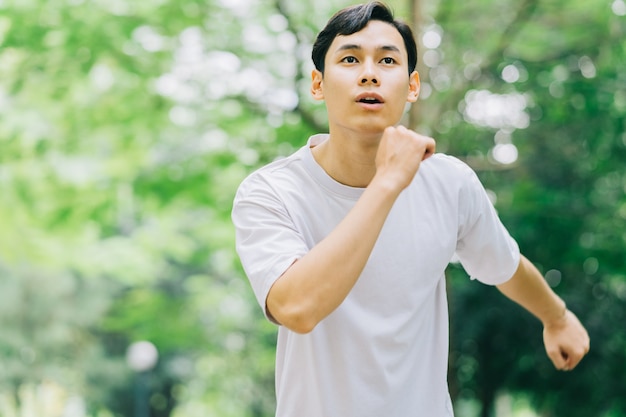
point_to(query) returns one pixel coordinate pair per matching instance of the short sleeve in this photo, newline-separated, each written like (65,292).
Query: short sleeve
(485,248)
(266,240)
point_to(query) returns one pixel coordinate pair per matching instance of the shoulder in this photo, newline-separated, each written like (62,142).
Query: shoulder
(447,170)
(272,175)
(447,178)
(441,162)
(279,166)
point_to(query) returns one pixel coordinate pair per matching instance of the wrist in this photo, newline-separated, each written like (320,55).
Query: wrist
(387,185)
(384,187)
(557,317)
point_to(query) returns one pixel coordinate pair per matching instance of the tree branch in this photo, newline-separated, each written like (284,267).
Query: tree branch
(524,13)
(307,116)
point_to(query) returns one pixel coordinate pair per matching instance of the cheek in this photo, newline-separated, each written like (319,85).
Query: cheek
(333,93)
(403,93)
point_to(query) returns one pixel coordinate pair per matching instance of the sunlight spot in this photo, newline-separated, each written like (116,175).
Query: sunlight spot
(148,38)
(426,90)
(471,72)
(76,170)
(5,26)
(440,79)
(248,156)
(431,39)
(622,211)
(587,68)
(54,38)
(213,140)
(505,153)
(556,89)
(286,41)
(587,240)
(101,77)
(619,288)
(182,116)
(224,62)
(501,111)
(619,7)
(431,58)
(591,265)
(116,7)
(255,83)
(142,356)
(278,22)
(502,136)
(492,196)
(599,291)
(256,39)
(231,108)
(283,98)
(578,101)
(235,342)
(235,5)
(560,73)
(191,47)
(234,308)
(553,277)
(169,85)
(619,100)
(4,101)
(510,74)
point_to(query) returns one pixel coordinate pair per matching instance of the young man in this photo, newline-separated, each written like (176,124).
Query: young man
(346,241)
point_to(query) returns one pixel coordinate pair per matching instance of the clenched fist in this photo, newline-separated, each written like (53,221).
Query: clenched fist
(400,153)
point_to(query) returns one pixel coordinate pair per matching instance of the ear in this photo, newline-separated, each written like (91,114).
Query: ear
(316,85)
(414,87)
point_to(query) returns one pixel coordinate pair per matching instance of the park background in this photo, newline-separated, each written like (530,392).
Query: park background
(126,126)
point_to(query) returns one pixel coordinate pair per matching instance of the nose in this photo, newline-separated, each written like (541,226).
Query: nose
(368,80)
(369,74)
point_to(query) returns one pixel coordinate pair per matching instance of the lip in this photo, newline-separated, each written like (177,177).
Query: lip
(370,107)
(369,94)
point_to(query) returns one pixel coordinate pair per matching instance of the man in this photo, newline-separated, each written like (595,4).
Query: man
(346,241)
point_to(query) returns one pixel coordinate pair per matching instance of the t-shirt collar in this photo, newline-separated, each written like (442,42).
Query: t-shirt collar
(319,174)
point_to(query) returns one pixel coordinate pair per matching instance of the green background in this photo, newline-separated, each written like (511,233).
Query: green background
(126,126)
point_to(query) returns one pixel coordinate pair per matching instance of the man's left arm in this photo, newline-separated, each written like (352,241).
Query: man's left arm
(565,339)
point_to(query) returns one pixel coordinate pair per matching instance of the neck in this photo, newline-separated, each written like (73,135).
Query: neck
(349,159)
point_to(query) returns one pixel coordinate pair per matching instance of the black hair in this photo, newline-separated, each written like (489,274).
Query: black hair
(353,19)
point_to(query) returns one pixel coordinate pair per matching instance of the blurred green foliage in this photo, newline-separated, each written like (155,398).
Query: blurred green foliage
(125,128)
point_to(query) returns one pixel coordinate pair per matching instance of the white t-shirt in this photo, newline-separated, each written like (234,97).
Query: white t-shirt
(384,350)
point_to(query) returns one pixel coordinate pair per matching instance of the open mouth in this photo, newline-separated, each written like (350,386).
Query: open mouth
(370,100)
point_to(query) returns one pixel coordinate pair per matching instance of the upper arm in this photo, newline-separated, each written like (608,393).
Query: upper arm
(267,240)
(484,246)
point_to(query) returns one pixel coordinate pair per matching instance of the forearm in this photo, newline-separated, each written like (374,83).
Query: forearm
(565,338)
(317,284)
(529,289)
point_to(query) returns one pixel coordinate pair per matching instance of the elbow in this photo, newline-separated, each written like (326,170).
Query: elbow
(294,317)
(301,326)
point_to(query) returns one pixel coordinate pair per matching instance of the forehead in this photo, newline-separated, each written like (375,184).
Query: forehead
(376,35)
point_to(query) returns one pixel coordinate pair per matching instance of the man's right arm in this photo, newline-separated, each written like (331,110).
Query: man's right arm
(315,285)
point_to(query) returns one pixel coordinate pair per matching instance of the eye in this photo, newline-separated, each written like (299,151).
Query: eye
(349,60)
(388,60)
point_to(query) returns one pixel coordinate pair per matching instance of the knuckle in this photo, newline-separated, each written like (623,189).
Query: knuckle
(553,352)
(388,130)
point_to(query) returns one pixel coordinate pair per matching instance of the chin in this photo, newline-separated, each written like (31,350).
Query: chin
(371,131)
(375,127)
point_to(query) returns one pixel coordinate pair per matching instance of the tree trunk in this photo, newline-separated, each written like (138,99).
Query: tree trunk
(417,24)
(486,403)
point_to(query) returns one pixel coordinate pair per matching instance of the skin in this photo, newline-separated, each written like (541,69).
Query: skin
(366,148)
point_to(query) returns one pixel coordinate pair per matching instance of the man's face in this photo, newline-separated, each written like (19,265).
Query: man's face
(366,83)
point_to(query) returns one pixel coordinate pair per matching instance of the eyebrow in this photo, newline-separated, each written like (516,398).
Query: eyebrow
(353,46)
